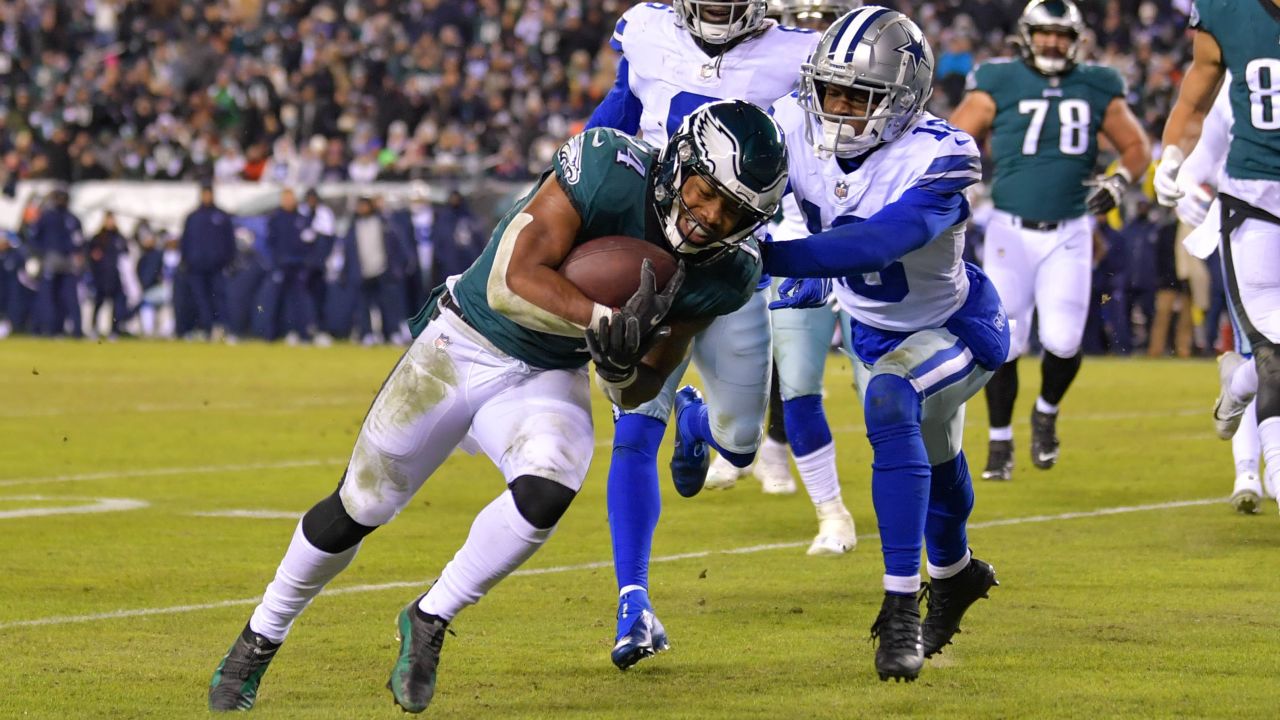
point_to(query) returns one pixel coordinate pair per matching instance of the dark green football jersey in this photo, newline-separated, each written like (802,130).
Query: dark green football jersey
(1248,31)
(605,174)
(1044,136)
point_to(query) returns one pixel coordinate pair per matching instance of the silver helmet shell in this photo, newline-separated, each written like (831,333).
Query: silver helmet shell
(744,18)
(1055,15)
(872,50)
(808,12)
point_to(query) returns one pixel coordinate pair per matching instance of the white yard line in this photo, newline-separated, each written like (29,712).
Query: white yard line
(256,406)
(153,472)
(176,609)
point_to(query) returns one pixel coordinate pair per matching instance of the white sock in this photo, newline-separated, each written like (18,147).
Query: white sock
(1244,381)
(1244,444)
(818,473)
(628,588)
(773,452)
(1000,433)
(303,573)
(500,541)
(902,585)
(1043,406)
(147,317)
(1269,438)
(942,573)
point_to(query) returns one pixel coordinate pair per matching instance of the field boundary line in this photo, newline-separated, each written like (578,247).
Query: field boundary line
(153,472)
(400,584)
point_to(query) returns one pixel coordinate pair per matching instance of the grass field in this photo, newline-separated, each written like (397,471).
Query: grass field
(1129,588)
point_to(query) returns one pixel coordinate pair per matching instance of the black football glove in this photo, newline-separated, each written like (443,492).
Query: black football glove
(1107,192)
(619,340)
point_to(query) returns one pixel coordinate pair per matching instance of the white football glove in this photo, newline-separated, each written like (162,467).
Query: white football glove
(1166,177)
(1194,206)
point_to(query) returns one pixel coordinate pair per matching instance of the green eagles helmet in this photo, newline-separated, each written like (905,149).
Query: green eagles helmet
(1057,15)
(739,150)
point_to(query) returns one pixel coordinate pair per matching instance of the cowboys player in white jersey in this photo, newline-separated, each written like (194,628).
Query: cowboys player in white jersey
(674,59)
(1043,115)
(884,181)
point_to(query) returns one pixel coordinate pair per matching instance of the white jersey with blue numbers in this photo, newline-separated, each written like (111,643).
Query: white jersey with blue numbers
(926,286)
(671,76)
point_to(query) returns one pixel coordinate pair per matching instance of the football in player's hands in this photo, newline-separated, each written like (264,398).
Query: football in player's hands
(607,269)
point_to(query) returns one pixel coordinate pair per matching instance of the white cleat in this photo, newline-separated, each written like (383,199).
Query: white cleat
(836,532)
(773,469)
(1246,497)
(723,475)
(1228,409)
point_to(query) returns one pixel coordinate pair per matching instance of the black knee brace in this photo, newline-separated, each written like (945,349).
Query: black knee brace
(1268,366)
(540,501)
(328,526)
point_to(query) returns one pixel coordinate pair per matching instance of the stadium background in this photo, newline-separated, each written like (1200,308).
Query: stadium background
(434,99)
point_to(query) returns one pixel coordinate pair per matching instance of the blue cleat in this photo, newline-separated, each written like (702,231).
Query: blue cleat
(640,633)
(690,461)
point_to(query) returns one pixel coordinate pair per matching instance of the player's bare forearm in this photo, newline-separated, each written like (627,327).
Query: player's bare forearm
(975,114)
(1125,133)
(659,363)
(1196,94)
(524,284)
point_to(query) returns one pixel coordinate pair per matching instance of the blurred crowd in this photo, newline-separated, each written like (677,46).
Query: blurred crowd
(303,92)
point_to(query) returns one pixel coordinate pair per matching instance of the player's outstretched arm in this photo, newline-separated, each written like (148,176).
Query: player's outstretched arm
(902,226)
(524,285)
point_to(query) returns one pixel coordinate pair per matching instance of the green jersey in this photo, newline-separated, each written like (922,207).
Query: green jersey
(1248,31)
(605,173)
(1044,137)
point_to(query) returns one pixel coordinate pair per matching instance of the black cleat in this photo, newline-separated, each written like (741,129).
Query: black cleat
(1044,439)
(900,654)
(948,599)
(413,679)
(999,460)
(234,685)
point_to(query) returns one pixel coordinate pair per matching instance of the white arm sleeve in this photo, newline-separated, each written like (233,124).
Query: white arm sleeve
(1205,162)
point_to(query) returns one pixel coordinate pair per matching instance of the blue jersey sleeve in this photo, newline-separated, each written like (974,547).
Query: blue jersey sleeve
(908,224)
(620,109)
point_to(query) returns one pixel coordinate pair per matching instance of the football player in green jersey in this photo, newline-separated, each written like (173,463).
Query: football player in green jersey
(1239,36)
(499,364)
(1042,116)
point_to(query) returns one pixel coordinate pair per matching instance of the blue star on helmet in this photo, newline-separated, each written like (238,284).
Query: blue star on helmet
(913,47)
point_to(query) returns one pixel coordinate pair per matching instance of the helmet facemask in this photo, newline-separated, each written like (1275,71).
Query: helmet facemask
(1053,16)
(729,19)
(738,152)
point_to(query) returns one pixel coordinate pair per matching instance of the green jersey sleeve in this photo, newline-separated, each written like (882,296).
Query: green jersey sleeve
(603,173)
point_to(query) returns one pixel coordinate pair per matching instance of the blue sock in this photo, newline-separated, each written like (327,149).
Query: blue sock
(899,471)
(633,499)
(694,425)
(806,422)
(950,502)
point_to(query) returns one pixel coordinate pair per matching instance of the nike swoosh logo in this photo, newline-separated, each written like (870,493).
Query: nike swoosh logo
(1046,457)
(961,142)
(597,140)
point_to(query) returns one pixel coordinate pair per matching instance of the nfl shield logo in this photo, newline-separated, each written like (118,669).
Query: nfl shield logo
(842,189)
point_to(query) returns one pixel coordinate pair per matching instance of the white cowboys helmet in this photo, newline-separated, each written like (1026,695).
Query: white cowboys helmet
(1055,15)
(876,52)
(728,19)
